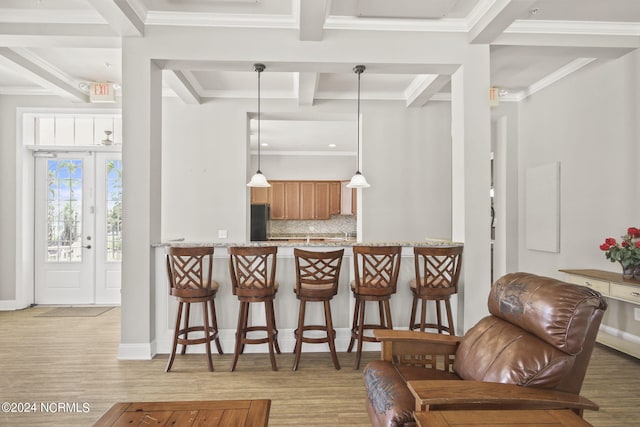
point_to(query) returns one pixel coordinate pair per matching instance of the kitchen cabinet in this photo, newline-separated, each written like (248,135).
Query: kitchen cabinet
(321,199)
(260,195)
(610,285)
(334,197)
(291,200)
(277,200)
(306,200)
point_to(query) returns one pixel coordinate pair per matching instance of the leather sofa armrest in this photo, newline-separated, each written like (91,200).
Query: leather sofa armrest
(437,394)
(406,343)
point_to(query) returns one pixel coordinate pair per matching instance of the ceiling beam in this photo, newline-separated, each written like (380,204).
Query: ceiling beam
(42,73)
(58,35)
(499,16)
(313,14)
(182,87)
(306,87)
(423,88)
(120,15)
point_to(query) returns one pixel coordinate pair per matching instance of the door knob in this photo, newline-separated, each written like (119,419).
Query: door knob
(87,247)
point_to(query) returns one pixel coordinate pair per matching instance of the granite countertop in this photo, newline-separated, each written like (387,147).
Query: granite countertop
(339,243)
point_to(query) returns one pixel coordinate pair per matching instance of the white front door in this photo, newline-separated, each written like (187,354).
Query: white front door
(77,228)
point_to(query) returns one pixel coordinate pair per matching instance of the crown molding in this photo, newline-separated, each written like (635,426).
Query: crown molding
(557,75)
(200,19)
(574,27)
(381,24)
(51,16)
(25,91)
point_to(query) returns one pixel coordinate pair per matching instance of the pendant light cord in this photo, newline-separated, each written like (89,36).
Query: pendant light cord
(358,69)
(259,71)
(358,165)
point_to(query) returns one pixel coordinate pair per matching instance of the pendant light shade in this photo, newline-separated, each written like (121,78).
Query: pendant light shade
(258,179)
(358,180)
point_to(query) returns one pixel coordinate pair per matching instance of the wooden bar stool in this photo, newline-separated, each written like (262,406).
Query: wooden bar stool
(317,275)
(189,270)
(253,273)
(376,275)
(437,272)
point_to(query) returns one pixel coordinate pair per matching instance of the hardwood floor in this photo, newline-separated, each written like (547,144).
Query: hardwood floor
(71,360)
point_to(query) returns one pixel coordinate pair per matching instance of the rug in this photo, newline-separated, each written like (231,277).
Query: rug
(74,312)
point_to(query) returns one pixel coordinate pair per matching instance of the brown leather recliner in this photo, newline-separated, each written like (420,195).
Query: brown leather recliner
(540,333)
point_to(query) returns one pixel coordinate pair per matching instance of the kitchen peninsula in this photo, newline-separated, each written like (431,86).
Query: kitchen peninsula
(286,304)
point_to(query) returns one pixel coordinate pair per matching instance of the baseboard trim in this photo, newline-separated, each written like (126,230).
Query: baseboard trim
(142,351)
(620,340)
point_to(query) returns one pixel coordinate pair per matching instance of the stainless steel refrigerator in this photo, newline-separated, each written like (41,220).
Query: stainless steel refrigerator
(260,222)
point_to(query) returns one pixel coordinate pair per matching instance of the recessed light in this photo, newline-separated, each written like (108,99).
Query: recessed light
(264,144)
(332,145)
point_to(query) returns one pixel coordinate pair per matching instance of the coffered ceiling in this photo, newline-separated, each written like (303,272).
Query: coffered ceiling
(58,46)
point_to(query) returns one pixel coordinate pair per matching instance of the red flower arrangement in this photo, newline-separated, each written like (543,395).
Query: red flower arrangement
(627,251)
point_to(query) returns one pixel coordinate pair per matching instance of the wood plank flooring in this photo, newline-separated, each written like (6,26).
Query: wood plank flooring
(48,361)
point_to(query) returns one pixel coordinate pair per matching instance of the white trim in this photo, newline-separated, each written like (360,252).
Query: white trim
(51,16)
(590,28)
(557,75)
(11,305)
(200,19)
(142,351)
(380,24)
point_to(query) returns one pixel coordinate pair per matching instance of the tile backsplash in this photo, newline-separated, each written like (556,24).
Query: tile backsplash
(337,224)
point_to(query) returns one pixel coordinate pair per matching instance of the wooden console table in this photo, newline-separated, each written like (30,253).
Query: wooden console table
(537,417)
(613,286)
(250,413)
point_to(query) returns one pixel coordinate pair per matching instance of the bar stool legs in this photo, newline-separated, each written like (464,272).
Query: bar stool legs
(181,335)
(243,329)
(327,327)
(423,324)
(359,327)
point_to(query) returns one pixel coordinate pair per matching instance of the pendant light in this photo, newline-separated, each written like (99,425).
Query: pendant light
(358,180)
(258,179)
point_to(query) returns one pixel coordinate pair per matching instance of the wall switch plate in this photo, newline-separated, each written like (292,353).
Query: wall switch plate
(636,313)
(222,234)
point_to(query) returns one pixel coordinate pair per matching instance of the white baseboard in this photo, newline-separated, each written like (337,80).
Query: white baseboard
(142,351)
(11,305)
(620,340)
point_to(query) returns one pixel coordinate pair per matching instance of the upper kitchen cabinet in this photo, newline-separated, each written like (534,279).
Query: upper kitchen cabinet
(277,200)
(291,200)
(260,195)
(307,200)
(335,196)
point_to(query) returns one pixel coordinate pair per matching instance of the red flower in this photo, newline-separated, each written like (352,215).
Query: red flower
(633,232)
(610,241)
(638,244)
(606,247)
(624,243)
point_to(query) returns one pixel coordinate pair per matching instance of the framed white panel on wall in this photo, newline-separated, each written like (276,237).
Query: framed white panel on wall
(542,207)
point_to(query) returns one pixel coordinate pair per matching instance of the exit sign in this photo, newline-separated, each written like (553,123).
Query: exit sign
(102,92)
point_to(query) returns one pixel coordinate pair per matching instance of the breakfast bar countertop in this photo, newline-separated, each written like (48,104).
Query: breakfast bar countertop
(311,242)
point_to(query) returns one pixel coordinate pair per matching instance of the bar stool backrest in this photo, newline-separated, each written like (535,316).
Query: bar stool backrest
(376,269)
(317,273)
(437,269)
(253,270)
(189,270)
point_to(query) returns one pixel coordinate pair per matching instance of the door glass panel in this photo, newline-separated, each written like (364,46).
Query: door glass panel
(64,210)
(114,210)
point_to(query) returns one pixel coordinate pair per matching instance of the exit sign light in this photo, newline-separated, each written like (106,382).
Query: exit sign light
(102,92)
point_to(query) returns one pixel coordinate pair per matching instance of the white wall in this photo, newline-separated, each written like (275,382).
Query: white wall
(587,123)
(407,162)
